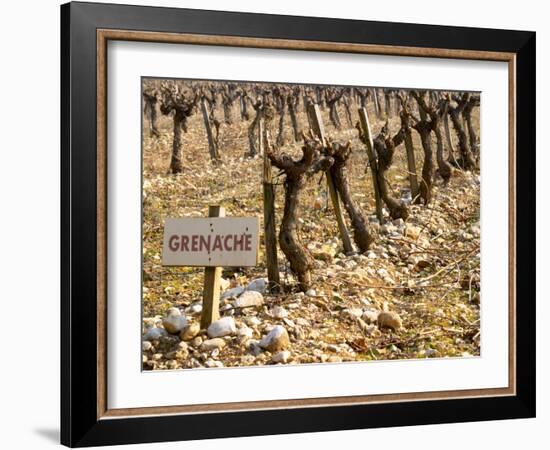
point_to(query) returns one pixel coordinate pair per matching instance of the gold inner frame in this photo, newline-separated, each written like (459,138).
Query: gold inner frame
(104,35)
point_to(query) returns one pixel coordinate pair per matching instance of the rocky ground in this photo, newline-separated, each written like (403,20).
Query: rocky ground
(415,294)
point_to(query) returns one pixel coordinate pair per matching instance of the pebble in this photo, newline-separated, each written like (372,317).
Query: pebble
(388,228)
(232,293)
(222,327)
(278,312)
(212,344)
(303,322)
(195,308)
(245,331)
(277,339)
(154,334)
(174,323)
(311,293)
(190,331)
(389,319)
(213,363)
(172,364)
(248,359)
(258,285)
(353,313)
(249,298)
(252,321)
(146,346)
(197,341)
(281,357)
(289,323)
(412,231)
(299,333)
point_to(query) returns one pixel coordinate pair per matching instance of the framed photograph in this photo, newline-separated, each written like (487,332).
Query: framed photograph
(276,224)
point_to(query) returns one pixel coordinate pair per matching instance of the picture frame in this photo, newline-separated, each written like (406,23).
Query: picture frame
(86,29)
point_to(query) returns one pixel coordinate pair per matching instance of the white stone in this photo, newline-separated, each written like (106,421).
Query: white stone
(146,346)
(212,344)
(154,334)
(195,308)
(174,323)
(252,321)
(281,357)
(311,293)
(213,363)
(258,285)
(223,327)
(245,332)
(278,312)
(353,312)
(232,293)
(249,298)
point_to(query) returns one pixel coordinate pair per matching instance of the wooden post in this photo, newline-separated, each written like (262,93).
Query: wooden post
(214,154)
(319,130)
(373,163)
(450,147)
(377,109)
(387,104)
(211,290)
(411,164)
(270,236)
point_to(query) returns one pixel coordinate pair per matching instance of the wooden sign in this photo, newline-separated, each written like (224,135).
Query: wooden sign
(211,241)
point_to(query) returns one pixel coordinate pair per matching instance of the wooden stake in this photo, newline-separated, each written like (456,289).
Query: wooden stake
(411,164)
(373,163)
(211,290)
(377,109)
(450,147)
(387,106)
(319,130)
(270,236)
(214,154)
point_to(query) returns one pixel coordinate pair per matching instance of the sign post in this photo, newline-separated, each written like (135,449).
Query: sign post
(213,242)
(211,289)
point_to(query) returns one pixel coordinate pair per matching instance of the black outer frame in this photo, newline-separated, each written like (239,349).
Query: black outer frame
(79,424)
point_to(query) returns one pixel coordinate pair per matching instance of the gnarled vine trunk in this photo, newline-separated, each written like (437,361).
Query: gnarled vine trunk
(385,148)
(150,110)
(424,129)
(180,125)
(359,222)
(296,174)
(467,159)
